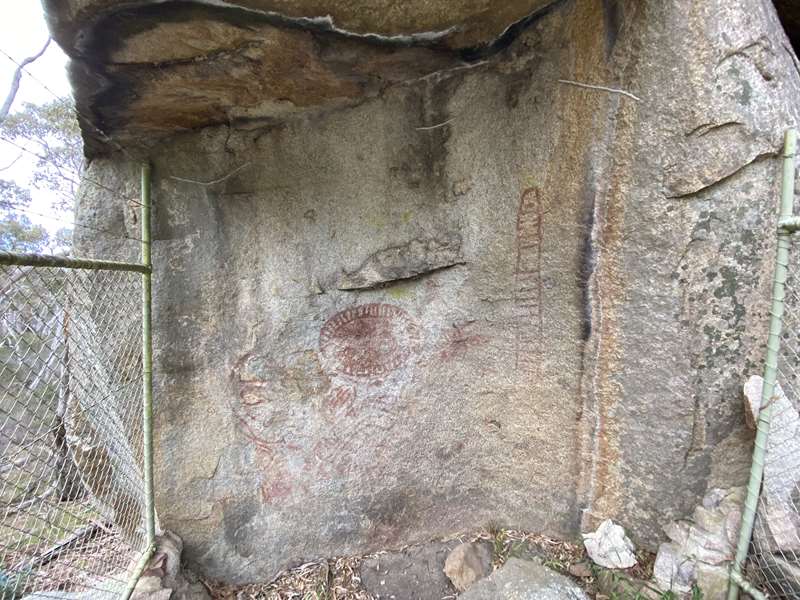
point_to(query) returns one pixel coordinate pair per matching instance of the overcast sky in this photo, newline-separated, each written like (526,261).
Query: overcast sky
(23,33)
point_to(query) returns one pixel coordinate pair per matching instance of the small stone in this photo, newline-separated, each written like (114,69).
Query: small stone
(734,498)
(710,520)
(168,548)
(733,523)
(672,571)
(461,186)
(609,547)
(148,584)
(677,531)
(163,578)
(580,570)
(713,581)
(467,563)
(713,498)
(162,594)
(712,548)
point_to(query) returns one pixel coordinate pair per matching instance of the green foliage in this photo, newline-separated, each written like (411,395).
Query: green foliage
(51,132)
(500,550)
(13,196)
(19,234)
(618,586)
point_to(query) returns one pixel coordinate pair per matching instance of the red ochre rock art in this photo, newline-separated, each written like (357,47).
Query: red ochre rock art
(368,341)
(340,402)
(271,404)
(458,340)
(305,413)
(275,488)
(528,285)
(269,394)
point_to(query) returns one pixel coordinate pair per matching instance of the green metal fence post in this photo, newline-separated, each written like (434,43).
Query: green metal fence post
(771,366)
(147,360)
(147,389)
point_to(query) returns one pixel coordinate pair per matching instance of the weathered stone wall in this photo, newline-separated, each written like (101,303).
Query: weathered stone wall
(476,295)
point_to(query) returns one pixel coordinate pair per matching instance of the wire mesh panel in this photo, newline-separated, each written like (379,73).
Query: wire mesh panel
(774,565)
(72,493)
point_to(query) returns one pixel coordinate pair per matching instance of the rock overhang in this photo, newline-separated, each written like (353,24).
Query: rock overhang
(142,70)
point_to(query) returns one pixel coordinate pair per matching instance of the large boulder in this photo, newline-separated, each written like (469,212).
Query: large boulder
(480,291)
(521,579)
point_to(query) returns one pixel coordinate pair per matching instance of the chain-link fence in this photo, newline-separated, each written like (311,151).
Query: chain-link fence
(769,547)
(775,547)
(72,487)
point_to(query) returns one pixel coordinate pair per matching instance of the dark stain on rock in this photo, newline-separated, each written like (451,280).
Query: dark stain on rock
(422,163)
(588,262)
(236,517)
(448,452)
(517,84)
(729,283)
(389,515)
(746,93)
(612,14)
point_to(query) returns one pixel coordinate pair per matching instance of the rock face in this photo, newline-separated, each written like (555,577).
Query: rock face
(473,291)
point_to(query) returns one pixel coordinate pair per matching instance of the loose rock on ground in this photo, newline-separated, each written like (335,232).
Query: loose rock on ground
(525,580)
(467,563)
(609,547)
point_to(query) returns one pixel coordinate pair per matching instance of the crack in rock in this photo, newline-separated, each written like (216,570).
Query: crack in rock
(417,257)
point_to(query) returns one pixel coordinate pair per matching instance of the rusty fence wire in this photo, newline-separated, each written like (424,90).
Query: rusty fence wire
(72,489)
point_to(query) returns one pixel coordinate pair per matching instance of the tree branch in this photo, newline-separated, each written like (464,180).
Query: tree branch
(12,93)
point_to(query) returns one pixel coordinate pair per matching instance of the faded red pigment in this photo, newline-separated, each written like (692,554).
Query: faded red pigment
(370,340)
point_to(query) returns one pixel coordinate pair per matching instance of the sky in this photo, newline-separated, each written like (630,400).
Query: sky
(23,32)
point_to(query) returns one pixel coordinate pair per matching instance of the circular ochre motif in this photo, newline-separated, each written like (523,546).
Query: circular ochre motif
(370,340)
